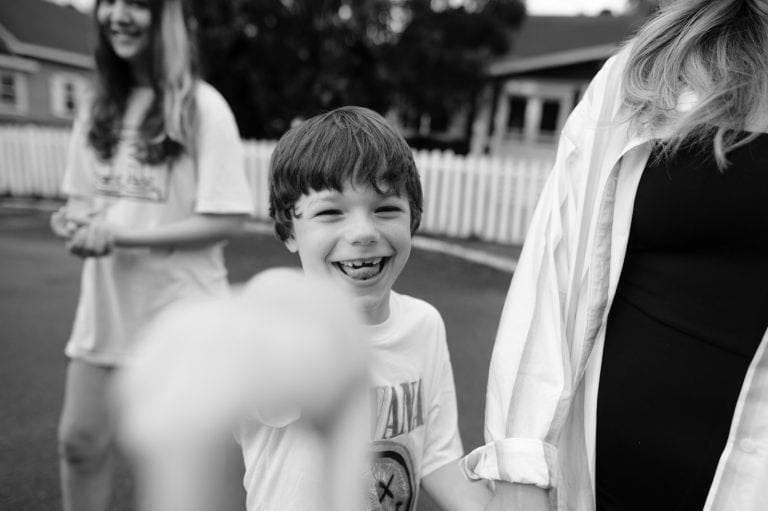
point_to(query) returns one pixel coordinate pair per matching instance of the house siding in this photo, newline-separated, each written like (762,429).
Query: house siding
(40,108)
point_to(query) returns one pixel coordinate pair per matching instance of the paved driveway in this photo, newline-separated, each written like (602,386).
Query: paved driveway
(38,288)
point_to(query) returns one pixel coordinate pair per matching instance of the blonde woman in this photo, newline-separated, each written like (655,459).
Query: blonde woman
(155,181)
(630,370)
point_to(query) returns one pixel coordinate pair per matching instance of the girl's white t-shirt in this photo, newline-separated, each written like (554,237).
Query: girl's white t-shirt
(123,291)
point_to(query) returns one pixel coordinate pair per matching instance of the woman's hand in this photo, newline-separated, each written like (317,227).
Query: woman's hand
(93,239)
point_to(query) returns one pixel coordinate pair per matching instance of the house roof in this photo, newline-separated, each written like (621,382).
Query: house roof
(552,41)
(44,30)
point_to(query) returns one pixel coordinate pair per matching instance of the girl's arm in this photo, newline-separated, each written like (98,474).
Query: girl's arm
(197,230)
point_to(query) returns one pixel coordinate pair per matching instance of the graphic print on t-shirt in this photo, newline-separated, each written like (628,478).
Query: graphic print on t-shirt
(397,409)
(395,487)
(126,177)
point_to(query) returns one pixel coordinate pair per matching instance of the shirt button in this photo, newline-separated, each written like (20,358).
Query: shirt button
(747,445)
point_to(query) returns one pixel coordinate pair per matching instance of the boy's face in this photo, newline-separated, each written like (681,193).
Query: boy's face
(359,238)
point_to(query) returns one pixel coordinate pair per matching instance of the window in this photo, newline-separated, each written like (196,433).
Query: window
(8,93)
(13,92)
(516,119)
(67,91)
(70,101)
(550,111)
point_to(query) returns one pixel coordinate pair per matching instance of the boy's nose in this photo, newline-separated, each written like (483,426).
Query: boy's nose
(362,231)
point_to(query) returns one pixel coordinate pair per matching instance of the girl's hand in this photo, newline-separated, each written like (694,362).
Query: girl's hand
(94,239)
(62,226)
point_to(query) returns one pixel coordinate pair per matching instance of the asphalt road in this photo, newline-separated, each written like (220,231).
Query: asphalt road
(39,284)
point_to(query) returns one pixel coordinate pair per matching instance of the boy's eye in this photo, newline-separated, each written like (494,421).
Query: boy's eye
(389,209)
(328,212)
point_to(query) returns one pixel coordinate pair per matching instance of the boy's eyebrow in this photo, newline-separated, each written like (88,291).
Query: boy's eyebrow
(324,195)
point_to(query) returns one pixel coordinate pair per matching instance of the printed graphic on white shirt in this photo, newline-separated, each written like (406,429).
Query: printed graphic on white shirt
(126,177)
(397,409)
(395,485)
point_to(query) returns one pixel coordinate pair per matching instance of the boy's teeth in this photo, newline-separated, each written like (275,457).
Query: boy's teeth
(361,269)
(358,263)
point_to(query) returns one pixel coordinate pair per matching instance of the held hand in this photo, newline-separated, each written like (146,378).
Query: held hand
(61,225)
(519,497)
(95,239)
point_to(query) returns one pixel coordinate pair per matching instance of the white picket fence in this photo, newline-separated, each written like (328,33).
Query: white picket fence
(464,196)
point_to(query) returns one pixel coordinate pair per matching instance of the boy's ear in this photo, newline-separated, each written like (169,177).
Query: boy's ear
(290,244)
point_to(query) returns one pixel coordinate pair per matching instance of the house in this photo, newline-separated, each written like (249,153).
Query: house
(533,89)
(46,63)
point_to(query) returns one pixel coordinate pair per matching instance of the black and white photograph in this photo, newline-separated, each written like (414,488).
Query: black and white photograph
(384,255)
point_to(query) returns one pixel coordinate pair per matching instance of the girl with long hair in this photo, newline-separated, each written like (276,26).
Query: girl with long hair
(155,181)
(630,370)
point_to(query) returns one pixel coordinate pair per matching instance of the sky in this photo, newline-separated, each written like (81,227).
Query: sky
(574,6)
(541,7)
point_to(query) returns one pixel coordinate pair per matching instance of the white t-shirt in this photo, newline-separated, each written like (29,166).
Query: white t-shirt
(122,291)
(413,421)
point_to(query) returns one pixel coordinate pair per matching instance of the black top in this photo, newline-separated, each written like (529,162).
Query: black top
(689,313)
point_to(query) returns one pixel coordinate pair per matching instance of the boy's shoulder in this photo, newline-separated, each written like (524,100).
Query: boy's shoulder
(415,309)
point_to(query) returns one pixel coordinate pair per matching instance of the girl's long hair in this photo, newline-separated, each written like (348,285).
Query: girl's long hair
(170,124)
(710,54)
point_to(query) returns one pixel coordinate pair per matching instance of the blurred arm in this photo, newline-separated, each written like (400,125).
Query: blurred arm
(196,230)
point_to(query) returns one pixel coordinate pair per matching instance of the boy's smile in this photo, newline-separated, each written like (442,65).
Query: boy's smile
(362,269)
(357,237)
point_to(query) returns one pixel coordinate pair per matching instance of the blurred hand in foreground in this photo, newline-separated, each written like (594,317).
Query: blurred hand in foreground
(282,343)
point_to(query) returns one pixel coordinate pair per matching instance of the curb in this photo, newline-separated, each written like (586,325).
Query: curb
(506,264)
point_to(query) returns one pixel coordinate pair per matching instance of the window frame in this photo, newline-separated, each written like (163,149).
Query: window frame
(20,103)
(60,82)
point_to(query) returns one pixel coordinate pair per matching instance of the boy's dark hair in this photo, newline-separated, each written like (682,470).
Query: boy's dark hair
(349,144)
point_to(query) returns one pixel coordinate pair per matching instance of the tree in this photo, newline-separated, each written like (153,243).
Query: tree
(278,60)
(437,62)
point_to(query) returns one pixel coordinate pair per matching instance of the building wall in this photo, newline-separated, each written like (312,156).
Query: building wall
(42,90)
(527,111)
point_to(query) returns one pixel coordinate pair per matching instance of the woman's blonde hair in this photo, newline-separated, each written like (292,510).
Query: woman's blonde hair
(715,51)
(170,125)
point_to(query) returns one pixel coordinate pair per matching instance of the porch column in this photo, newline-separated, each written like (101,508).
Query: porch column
(500,122)
(481,124)
(533,110)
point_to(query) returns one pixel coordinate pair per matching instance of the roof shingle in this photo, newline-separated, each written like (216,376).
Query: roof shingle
(540,35)
(43,23)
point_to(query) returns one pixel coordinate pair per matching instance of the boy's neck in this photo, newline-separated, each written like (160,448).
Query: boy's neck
(378,314)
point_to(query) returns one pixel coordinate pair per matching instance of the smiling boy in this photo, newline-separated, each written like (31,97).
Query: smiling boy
(346,196)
